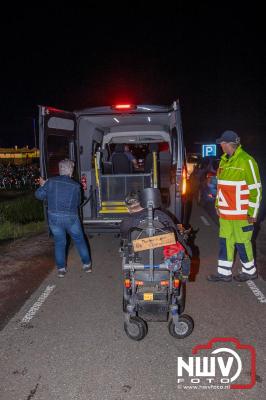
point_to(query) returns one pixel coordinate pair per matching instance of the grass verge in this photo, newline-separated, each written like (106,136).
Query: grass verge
(9,230)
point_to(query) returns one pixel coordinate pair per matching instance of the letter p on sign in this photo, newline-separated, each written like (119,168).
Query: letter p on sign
(208,150)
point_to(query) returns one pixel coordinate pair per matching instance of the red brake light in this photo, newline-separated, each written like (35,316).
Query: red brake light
(176,283)
(127,283)
(124,107)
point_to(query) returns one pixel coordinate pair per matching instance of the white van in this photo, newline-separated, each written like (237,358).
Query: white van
(94,138)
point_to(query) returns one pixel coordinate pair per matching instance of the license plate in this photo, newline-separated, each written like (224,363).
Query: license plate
(148,296)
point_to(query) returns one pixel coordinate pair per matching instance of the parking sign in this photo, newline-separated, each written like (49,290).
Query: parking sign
(208,150)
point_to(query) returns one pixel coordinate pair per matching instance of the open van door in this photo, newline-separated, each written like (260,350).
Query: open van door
(57,140)
(178,160)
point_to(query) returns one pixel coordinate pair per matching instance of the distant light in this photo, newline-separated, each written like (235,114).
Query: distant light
(116,120)
(149,119)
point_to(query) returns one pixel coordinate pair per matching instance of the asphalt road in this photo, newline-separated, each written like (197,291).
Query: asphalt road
(72,345)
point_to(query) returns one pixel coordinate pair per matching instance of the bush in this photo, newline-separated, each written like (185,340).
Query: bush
(22,210)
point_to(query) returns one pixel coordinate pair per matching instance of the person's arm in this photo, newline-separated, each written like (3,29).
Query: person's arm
(252,177)
(41,192)
(135,163)
(132,159)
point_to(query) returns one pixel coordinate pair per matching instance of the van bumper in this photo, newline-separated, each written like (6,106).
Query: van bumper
(102,225)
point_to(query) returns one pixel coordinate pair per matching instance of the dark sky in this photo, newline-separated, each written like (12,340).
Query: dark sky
(211,56)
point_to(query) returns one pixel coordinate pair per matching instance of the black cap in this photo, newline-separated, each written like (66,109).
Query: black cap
(229,137)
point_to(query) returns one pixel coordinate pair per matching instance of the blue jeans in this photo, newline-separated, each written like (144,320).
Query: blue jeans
(60,224)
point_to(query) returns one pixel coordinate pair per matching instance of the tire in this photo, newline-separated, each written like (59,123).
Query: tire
(184,328)
(136,329)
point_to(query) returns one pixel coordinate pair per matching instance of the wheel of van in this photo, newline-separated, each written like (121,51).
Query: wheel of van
(136,328)
(183,329)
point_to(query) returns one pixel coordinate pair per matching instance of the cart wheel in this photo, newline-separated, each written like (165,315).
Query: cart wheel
(183,329)
(136,329)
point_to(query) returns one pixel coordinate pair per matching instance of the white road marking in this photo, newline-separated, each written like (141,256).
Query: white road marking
(204,220)
(256,291)
(36,306)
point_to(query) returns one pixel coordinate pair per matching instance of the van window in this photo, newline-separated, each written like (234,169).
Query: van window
(59,148)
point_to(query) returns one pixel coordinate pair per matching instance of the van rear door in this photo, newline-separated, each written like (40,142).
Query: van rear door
(57,140)
(178,159)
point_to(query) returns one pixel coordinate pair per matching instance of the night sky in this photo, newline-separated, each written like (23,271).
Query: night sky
(211,56)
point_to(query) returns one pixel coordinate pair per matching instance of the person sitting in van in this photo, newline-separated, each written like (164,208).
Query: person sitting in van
(123,160)
(130,156)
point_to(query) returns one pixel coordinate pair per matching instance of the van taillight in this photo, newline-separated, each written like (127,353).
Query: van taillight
(184,182)
(123,107)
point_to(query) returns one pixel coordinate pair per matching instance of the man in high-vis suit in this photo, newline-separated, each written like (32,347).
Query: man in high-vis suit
(237,204)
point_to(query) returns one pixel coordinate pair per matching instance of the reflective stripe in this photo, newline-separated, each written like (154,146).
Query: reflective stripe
(231,183)
(252,204)
(244,191)
(244,201)
(250,272)
(248,264)
(224,263)
(254,186)
(237,198)
(258,192)
(232,212)
(223,271)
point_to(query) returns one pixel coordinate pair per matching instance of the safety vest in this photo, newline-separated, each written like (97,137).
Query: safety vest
(238,186)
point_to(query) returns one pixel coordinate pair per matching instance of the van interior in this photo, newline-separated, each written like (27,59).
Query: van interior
(116,152)
(110,172)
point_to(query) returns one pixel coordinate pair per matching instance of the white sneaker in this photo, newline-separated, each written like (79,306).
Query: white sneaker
(61,273)
(87,267)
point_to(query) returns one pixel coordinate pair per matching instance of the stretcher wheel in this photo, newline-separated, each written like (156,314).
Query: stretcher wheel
(136,329)
(183,329)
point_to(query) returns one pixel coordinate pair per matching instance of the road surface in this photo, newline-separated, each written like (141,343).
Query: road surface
(67,341)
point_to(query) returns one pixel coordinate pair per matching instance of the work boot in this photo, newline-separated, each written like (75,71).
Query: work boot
(243,276)
(219,278)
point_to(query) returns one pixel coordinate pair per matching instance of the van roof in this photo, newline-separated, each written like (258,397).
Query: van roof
(144,108)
